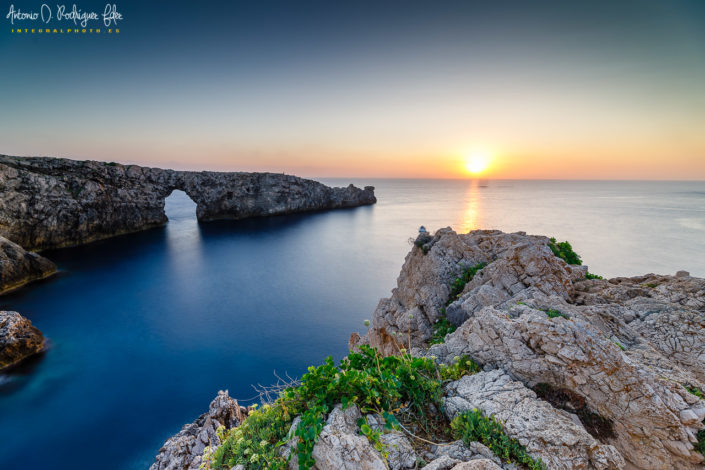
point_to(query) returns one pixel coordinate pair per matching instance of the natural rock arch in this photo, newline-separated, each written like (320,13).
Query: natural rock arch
(56,202)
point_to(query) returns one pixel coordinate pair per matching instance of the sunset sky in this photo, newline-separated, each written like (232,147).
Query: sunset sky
(540,89)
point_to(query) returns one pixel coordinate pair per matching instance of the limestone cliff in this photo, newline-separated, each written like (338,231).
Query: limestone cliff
(56,202)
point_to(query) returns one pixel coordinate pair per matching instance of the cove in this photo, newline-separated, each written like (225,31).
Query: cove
(146,328)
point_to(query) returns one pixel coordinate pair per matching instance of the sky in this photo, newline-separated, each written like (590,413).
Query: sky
(411,89)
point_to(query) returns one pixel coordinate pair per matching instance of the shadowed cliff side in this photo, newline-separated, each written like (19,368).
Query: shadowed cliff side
(57,202)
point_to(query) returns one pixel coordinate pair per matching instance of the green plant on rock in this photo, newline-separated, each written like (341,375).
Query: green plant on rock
(695,391)
(460,367)
(700,446)
(564,251)
(555,313)
(589,275)
(441,328)
(474,426)
(392,386)
(458,285)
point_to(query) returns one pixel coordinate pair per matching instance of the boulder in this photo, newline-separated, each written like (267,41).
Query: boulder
(18,339)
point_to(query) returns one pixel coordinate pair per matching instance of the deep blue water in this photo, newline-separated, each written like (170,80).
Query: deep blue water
(146,328)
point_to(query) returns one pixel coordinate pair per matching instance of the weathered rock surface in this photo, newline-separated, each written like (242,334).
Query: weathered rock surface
(184,450)
(18,339)
(341,447)
(18,267)
(629,347)
(55,202)
(545,432)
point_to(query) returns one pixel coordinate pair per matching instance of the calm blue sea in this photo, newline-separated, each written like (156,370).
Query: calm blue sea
(146,328)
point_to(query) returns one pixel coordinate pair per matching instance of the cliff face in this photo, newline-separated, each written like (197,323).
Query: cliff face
(54,202)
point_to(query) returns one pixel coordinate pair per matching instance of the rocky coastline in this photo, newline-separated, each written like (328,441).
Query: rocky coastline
(579,372)
(57,202)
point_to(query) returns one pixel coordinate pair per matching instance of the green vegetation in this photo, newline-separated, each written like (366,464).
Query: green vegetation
(700,446)
(589,275)
(555,313)
(472,426)
(422,240)
(441,328)
(460,367)
(111,164)
(399,388)
(457,286)
(695,391)
(619,345)
(651,285)
(565,252)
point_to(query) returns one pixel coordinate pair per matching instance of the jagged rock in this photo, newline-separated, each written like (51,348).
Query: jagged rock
(18,339)
(442,463)
(516,261)
(628,347)
(55,202)
(462,452)
(544,431)
(341,447)
(18,267)
(184,450)
(401,454)
(480,464)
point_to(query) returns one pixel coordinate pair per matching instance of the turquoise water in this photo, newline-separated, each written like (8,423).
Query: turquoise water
(146,328)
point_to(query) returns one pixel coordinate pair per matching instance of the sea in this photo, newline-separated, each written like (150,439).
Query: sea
(144,329)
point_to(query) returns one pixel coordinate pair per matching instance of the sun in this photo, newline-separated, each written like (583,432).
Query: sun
(477,162)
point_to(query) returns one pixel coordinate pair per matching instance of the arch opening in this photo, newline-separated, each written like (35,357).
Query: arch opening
(178,206)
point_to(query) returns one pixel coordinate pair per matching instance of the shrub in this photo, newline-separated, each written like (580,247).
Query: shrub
(589,275)
(457,286)
(441,328)
(700,446)
(460,367)
(389,386)
(555,313)
(564,251)
(695,391)
(474,426)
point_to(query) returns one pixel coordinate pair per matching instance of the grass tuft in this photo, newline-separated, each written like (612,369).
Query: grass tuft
(474,426)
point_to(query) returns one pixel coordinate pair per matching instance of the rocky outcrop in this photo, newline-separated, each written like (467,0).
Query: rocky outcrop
(55,202)
(184,450)
(628,348)
(18,339)
(547,433)
(18,267)
(340,446)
